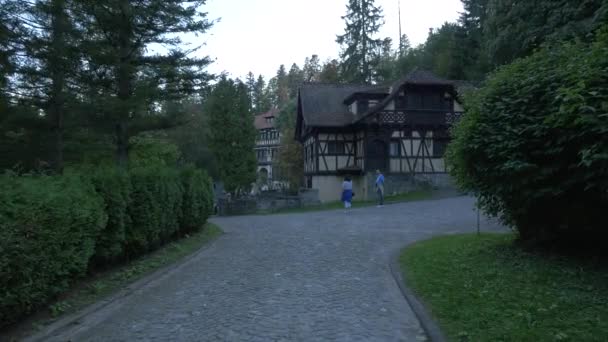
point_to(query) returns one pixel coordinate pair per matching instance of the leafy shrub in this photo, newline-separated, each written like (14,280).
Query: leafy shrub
(152,150)
(52,229)
(198,199)
(48,227)
(155,207)
(114,185)
(533,144)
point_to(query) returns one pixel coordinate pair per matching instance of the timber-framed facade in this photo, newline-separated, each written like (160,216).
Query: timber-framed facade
(358,129)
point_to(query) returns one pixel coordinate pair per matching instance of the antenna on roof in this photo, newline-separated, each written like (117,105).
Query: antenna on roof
(400,36)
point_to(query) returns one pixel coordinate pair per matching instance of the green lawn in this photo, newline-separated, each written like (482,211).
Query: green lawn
(406,197)
(485,288)
(101,285)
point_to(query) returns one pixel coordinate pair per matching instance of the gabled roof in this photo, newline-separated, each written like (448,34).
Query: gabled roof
(260,121)
(422,77)
(415,77)
(324,105)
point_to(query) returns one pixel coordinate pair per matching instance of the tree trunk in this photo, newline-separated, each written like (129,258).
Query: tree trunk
(57,67)
(124,79)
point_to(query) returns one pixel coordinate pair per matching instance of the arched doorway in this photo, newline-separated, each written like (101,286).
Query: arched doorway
(376,155)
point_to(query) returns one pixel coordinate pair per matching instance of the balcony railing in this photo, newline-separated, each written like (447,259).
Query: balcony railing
(415,117)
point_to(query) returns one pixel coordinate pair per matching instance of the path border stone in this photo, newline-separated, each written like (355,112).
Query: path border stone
(422,313)
(71,320)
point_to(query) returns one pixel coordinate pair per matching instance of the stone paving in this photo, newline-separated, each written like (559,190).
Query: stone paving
(321,276)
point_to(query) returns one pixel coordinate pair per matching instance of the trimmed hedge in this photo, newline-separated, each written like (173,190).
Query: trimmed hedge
(198,199)
(55,229)
(533,144)
(155,209)
(114,186)
(48,227)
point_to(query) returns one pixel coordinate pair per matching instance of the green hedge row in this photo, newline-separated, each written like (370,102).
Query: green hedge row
(53,229)
(533,144)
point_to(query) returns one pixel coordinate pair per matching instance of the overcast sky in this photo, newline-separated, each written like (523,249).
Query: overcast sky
(260,35)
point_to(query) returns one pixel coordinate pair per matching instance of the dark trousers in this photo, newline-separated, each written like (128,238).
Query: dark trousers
(380,196)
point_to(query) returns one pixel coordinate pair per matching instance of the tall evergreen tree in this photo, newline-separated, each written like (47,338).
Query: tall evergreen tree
(385,63)
(330,72)
(232,134)
(311,69)
(359,47)
(262,100)
(281,89)
(295,77)
(8,28)
(250,83)
(118,33)
(48,40)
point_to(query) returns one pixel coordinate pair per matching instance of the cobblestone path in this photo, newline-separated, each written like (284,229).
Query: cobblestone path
(321,276)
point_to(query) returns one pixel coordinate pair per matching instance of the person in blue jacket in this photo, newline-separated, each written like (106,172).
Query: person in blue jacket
(380,187)
(347,192)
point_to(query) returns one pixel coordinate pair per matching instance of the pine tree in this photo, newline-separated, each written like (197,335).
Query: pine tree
(232,135)
(250,83)
(261,96)
(330,72)
(45,32)
(385,63)
(281,92)
(295,77)
(8,30)
(118,33)
(311,69)
(359,47)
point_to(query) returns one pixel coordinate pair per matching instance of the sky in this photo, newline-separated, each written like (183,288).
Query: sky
(260,35)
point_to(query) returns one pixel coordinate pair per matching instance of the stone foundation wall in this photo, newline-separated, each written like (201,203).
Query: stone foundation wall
(402,183)
(268,201)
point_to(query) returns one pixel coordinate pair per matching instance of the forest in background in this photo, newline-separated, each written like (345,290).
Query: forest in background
(78,83)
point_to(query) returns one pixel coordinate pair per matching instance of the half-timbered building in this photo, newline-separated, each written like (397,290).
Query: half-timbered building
(355,130)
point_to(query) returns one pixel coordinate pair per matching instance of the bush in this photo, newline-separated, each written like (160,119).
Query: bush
(48,227)
(198,199)
(114,185)
(532,145)
(155,208)
(53,228)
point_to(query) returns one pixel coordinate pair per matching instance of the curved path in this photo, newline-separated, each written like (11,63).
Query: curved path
(306,277)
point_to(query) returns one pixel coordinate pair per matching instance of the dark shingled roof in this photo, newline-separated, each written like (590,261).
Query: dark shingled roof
(322,103)
(260,119)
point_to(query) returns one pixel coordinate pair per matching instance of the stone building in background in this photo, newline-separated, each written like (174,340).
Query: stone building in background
(267,147)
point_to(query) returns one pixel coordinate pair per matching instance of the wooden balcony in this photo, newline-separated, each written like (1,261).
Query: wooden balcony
(414,118)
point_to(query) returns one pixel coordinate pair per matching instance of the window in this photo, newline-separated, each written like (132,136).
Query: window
(335,147)
(262,155)
(395,148)
(439,147)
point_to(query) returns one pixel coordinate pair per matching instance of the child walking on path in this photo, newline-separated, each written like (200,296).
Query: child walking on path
(347,192)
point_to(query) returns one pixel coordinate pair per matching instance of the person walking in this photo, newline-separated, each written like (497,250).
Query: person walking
(380,187)
(347,192)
